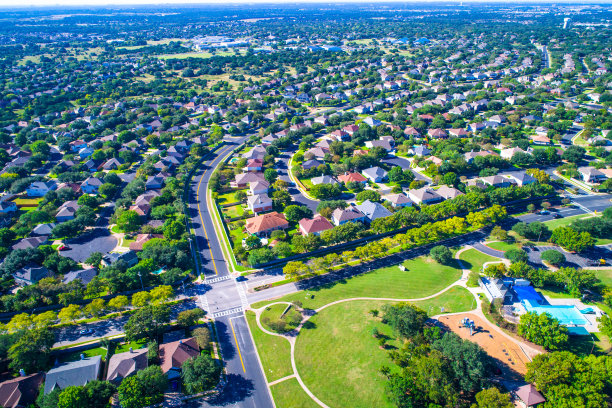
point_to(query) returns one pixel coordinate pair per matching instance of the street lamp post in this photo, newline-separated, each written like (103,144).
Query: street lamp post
(140,276)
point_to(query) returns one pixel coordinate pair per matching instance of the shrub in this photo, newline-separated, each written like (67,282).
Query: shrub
(441,254)
(553,257)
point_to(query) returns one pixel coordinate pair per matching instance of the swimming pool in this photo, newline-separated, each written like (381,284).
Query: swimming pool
(566,314)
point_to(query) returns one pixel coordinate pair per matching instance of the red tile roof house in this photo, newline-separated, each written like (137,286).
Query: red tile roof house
(173,355)
(254,165)
(314,226)
(352,178)
(264,224)
(20,392)
(142,239)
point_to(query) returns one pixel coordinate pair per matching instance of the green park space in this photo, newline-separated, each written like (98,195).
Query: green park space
(605,276)
(289,394)
(474,259)
(563,222)
(346,371)
(503,246)
(280,318)
(274,351)
(422,277)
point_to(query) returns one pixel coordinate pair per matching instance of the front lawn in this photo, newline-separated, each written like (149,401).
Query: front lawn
(339,359)
(423,277)
(135,345)
(474,259)
(274,351)
(75,356)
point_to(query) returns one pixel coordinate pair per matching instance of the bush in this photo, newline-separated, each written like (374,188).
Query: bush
(553,257)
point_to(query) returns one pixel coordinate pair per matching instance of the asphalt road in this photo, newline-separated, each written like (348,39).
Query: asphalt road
(282,167)
(405,165)
(224,299)
(98,239)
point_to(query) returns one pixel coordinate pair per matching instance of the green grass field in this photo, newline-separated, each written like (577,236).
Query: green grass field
(605,277)
(423,277)
(562,222)
(474,259)
(503,246)
(274,312)
(289,394)
(274,351)
(346,370)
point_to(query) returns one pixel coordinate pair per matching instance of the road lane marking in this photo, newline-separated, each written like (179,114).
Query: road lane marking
(228,312)
(200,210)
(218,279)
(237,346)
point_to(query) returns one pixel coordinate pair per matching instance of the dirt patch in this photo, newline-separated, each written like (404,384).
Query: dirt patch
(501,348)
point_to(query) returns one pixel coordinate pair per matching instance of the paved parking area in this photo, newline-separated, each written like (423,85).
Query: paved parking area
(584,259)
(99,240)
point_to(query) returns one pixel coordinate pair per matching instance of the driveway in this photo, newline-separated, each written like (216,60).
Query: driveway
(98,240)
(405,165)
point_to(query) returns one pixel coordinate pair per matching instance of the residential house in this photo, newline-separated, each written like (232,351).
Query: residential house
(112,164)
(448,193)
(123,365)
(40,188)
(142,239)
(352,178)
(325,179)
(173,355)
(91,185)
(31,242)
(259,203)
(310,164)
(437,133)
(264,224)
(510,152)
(76,373)
(259,187)
(67,211)
(253,165)
(84,275)
(424,195)
(43,229)
(470,156)
(497,181)
(7,207)
(521,178)
(129,257)
(154,182)
(384,143)
(373,210)
(399,200)
(540,140)
(591,174)
(30,274)
(316,151)
(375,174)
(244,179)
(420,151)
(257,152)
(351,214)
(315,226)
(20,392)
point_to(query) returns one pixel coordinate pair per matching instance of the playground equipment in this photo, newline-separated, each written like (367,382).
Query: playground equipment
(469,324)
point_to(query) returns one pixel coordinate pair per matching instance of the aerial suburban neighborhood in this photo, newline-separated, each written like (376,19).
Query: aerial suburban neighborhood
(306,205)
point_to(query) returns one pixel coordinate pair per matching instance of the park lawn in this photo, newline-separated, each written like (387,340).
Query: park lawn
(474,259)
(289,394)
(503,246)
(274,351)
(605,276)
(423,277)
(346,372)
(275,312)
(563,222)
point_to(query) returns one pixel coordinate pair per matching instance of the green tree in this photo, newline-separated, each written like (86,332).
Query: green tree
(200,373)
(543,330)
(368,195)
(118,302)
(189,317)
(174,229)
(260,256)
(553,257)
(516,255)
(202,336)
(295,213)
(406,319)
(441,254)
(270,175)
(129,221)
(492,398)
(31,352)
(161,293)
(95,259)
(148,322)
(143,389)
(70,313)
(572,240)
(73,397)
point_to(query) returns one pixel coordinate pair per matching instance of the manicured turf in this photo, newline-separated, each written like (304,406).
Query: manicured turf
(289,394)
(292,317)
(346,370)
(503,246)
(423,277)
(605,277)
(473,259)
(562,222)
(274,352)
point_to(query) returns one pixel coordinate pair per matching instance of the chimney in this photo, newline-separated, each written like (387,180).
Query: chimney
(22,373)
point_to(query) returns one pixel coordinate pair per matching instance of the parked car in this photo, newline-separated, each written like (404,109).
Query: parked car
(86,331)
(557,216)
(241,279)
(63,248)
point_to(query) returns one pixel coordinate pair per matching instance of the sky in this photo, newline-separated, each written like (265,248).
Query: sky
(34,3)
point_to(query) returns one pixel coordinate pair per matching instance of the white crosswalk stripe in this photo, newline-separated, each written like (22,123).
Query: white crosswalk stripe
(235,310)
(218,279)
(242,288)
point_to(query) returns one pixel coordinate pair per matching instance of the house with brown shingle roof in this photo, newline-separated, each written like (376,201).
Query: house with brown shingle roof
(142,239)
(264,224)
(123,365)
(173,355)
(20,392)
